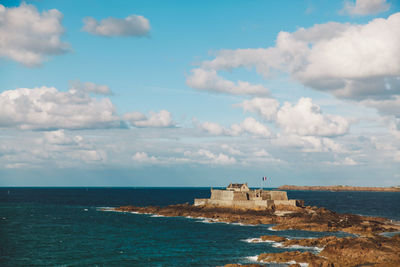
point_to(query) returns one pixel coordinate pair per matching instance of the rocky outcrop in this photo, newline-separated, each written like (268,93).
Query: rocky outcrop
(346,251)
(339,188)
(240,265)
(297,256)
(274,238)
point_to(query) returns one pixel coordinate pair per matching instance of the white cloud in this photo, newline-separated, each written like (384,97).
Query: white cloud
(48,108)
(394,127)
(209,80)
(266,107)
(261,153)
(60,138)
(144,158)
(248,125)
(397,156)
(28,36)
(158,120)
(204,156)
(347,161)
(133,25)
(213,128)
(385,106)
(89,156)
(309,143)
(306,118)
(231,150)
(90,87)
(365,7)
(347,60)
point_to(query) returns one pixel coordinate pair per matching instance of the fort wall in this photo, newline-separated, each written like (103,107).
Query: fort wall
(249,199)
(222,194)
(246,204)
(278,195)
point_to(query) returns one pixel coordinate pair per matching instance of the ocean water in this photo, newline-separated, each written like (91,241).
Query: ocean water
(66,227)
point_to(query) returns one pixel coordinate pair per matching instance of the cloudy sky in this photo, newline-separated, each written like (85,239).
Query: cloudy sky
(199,93)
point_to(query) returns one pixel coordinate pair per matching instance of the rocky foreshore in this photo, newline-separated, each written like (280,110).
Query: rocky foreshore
(339,188)
(369,247)
(344,251)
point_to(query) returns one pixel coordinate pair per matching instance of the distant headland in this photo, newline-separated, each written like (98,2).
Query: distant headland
(340,188)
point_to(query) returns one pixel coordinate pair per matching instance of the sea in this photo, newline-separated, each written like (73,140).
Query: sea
(69,227)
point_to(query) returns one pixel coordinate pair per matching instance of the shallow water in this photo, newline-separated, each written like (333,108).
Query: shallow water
(58,226)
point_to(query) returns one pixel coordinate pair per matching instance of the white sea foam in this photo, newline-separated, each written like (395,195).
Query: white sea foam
(302,264)
(252,258)
(109,210)
(277,245)
(280,245)
(251,240)
(241,224)
(257,240)
(318,249)
(205,220)
(157,215)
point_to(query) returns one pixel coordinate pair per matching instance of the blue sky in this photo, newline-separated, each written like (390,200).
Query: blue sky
(199,93)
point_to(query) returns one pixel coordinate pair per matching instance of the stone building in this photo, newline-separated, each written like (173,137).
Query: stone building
(241,196)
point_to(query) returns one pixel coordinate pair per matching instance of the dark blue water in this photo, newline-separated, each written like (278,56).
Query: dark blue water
(64,226)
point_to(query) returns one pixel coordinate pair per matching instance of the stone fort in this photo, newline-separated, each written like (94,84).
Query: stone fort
(241,196)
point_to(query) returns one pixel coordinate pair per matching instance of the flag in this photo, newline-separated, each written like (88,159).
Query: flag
(264,178)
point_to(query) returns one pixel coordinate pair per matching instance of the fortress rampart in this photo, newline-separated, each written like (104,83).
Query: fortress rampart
(240,196)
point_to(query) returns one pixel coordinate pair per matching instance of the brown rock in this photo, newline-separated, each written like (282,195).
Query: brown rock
(273,238)
(240,265)
(299,257)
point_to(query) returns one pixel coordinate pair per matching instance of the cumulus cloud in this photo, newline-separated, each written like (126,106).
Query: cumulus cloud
(231,150)
(266,107)
(365,7)
(345,161)
(133,25)
(385,106)
(309,143)
(306,118)
(303,118)
(157,120)
(28,36)
(347,60)
(60,138)
(248,125)
(89,156)
(252,126)
(261,153)
(207,157)
(90,87)
(143,157)
(209,80)
(48,108)
(65,149)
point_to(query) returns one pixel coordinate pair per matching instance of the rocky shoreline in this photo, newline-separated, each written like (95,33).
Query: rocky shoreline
(368,247)
(337,188)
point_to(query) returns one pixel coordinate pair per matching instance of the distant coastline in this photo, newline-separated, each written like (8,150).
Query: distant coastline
(339,188)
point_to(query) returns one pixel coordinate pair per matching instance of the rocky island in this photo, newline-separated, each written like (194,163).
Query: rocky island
(339,188)
(367,247)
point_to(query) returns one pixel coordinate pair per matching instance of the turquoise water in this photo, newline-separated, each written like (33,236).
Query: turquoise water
(59,226)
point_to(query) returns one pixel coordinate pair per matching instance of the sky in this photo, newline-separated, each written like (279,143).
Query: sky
(199,93)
